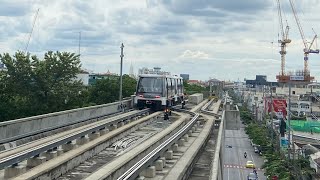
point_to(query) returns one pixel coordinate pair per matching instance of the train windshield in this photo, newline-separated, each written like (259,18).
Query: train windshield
(150,85)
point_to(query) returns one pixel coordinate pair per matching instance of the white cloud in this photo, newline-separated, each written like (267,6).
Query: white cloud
(183,36)
(188,54)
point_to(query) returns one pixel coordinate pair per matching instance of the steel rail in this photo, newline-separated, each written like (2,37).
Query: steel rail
(133,172)
(31,152)
(204,110)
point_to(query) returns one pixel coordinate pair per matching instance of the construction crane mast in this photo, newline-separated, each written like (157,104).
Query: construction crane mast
(307,49)
(30,34)
(284,41)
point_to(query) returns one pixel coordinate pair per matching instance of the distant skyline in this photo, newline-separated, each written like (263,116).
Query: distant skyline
(227,40)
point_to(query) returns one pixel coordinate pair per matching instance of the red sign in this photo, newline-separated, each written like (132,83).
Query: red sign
(279,107)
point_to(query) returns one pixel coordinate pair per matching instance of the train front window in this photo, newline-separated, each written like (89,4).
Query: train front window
(150,85)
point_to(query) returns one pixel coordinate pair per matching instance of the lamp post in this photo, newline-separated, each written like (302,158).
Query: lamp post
(271,116)
(120,91)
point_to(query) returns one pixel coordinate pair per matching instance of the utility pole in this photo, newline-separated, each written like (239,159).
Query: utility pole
(289,117)
(311,100)
(121,56)
(271,116)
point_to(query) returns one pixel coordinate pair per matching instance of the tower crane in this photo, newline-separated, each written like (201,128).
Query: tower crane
(284,41)
(307,48)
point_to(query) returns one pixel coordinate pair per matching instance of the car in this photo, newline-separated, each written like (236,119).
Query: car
(256,150)
(252,176)
(250,164)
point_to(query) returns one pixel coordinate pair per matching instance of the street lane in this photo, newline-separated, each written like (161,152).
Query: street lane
(234,161)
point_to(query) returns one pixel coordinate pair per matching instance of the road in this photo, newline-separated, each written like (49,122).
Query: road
(233,159)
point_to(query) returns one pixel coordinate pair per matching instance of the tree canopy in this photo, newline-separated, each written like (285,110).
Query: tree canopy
(31,85)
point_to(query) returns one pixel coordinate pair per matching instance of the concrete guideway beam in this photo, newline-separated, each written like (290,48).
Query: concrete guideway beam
(111,170)
(11,130)
(54,168)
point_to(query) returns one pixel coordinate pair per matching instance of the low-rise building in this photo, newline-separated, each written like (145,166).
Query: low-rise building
(83,76)
(96,76)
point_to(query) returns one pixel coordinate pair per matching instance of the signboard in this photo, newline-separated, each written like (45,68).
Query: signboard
(279,107)
(284,143)
(296,78)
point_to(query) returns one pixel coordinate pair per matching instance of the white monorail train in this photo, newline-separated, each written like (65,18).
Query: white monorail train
(158,91)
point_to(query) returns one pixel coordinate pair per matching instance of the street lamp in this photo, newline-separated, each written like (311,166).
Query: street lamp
(120,93)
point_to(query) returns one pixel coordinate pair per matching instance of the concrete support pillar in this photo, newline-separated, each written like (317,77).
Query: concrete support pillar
(120,124)
(82,140)
(140,178)
(59,151)
(169,155)
(113,127)
(69,146)
(36,161)
(175,148)
(186,138)
(198,123)
(50,155)
(190,133)
(163,159)
(195,127)
(159,165)
(181,142)
(14,170)
(94,135)
(150,172)
(104,131)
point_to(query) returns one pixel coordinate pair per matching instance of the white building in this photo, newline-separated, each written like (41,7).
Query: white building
(83,76)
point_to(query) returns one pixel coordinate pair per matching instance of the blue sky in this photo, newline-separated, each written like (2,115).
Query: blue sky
(226,40)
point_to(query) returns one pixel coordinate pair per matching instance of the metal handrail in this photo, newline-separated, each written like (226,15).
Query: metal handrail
(154,154)
(25,154)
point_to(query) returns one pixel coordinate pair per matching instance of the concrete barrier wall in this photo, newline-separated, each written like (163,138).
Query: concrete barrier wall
(195,98)
(16,128)
(232,118)
(216,172)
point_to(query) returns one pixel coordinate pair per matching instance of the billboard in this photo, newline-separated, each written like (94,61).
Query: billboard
(296,78)
(279,107)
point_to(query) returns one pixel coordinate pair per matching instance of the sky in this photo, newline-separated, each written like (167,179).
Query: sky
(227,40)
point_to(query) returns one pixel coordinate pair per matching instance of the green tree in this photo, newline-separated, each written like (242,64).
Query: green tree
(104,91)
(129,86)
(107,90)
(31,86)
(193,88)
